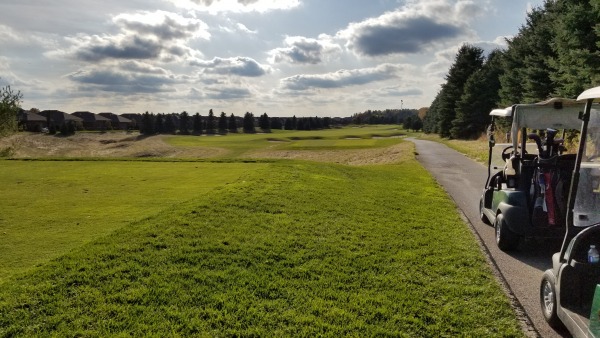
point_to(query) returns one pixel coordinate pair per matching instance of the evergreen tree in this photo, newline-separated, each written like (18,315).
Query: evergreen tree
(222,123)
(71,128)
(64,129)
(264,123)
(159,127)
(232,124)
(407,124)
(300,124)
(479,97)
(147,127)
(294,123)
(537,83)
(511,81)
(210,122)
(577,45)
(184,123)
(417,124)
(467,61)
(288,125)
(309,123)
(276,123)
(197,124)
(169,124)
(249,123)
(528,63)
(318,123)
(430,118)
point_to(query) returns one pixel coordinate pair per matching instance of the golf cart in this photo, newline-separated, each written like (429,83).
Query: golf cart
(570,290)
(526,197)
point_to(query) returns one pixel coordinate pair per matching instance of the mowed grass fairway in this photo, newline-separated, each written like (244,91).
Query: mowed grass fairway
(343,138)
(51,207)
(280,248)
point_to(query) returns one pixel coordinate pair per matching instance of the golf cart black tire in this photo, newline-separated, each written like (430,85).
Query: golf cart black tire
(505,238)
(549,312)
(482,215)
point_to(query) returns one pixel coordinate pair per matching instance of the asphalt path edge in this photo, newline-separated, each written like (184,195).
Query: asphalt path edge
(524,320)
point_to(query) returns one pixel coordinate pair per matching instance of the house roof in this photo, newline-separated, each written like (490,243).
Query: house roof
(54,114)
(90,117)
(132,116)
(28,116)
(116,118)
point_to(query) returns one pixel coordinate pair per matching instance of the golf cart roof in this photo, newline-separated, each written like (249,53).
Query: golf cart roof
(557,113)
(592,93)
(502,112)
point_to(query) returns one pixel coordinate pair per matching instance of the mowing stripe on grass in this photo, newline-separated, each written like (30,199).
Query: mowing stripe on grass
(51,207)
(300,249)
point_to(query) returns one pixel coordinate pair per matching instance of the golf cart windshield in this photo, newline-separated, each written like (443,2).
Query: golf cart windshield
(556,113)
(587,204)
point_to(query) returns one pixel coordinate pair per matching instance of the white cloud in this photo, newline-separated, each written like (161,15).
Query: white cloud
(238,6)
(155,35)
(489,46)
(412,28)
(341,78)
(396,91)
(239,66)
(163,25)
(242,28)
(305,50)
(126,78)
(442,61)
(8,34)
(232,27)
(141,67)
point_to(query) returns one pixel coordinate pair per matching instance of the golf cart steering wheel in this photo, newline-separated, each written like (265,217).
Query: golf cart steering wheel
(506,152)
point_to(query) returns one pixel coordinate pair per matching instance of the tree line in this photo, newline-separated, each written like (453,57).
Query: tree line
(186,124)
(408,118)
(555,53)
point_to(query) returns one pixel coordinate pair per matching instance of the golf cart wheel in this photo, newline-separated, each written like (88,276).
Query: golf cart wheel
(548,299)
(505,238)
(482,215)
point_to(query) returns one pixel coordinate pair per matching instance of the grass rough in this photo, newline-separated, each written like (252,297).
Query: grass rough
(295,249)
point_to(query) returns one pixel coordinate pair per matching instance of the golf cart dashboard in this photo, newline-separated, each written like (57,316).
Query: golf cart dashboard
(577,251)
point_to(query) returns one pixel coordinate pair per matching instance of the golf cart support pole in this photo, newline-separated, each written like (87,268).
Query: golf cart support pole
(569,223)
(491,144)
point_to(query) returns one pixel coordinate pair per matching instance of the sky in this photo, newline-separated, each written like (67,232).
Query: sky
(280,57)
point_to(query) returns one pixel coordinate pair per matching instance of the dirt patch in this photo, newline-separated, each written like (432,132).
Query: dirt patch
(393,154)
(32,145)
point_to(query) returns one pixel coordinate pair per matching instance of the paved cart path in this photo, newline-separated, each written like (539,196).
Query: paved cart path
(464,180)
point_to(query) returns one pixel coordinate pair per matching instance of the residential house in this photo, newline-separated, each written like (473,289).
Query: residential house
(118,121)
(56,118)
(93,121)
(137,119)
(31,121)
